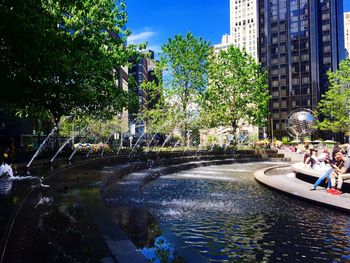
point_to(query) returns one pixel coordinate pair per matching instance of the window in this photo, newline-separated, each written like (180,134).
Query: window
(275,116)
(283,59)
(274,61)
(305,57)
(305,80)
(295,81)
(274,83)
(282,70)
(327,60)
(327,48)
(277,125)
(326,38)
(283,91)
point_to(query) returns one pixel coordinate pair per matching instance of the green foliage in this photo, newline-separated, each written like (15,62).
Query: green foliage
(92,127)
(57,57)
(335,103)
(156,111)
(237,90)
(185,59)
(212,139)
(285,140)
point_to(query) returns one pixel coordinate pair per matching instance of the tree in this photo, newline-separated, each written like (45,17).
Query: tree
(62,57)
(335,103)
(237,90)
(186,77)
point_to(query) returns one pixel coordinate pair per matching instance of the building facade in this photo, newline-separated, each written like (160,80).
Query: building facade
(142,71)
(347,32)
(244,26)
(299,41)
(226,41)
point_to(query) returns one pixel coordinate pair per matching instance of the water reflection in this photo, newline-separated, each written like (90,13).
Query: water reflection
(161,251)
(240,220)
(5,187)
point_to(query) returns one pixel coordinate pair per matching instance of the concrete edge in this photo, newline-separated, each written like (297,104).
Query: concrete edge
(302,192)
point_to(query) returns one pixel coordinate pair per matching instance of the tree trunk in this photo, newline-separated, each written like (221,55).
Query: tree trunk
(184,109)
(234,129)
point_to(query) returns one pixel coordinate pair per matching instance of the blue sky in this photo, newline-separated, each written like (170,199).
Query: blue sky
(154,21)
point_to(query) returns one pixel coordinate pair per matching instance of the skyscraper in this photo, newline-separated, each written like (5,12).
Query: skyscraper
(243,25)
(299,41)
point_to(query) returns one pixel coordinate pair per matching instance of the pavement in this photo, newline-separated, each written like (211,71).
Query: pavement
(292,156)
(283,178)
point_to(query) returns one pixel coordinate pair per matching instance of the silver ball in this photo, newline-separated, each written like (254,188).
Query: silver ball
(301,122)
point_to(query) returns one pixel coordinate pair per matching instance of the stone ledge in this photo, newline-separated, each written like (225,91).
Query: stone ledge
(289,184)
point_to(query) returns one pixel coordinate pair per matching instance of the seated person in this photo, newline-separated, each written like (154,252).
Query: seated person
(333,166)
(307,157)
(310,158)
(342,174)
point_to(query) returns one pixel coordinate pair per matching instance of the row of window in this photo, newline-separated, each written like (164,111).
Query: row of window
(244,22)
(296,91)
(295,103)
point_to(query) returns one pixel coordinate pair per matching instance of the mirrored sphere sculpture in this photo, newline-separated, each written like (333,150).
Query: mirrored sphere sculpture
(301,122)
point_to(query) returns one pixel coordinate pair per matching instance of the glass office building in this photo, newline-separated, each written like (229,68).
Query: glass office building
(299,41)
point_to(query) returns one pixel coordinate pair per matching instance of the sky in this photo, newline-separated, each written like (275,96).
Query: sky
(155,21)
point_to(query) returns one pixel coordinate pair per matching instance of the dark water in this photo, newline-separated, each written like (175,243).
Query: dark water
(55,224)
(220,211)
(225,214)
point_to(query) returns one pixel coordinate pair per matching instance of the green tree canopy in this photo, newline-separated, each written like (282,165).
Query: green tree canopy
(237,90)
(334,107)
(62,57)
(185,77)
(157,111)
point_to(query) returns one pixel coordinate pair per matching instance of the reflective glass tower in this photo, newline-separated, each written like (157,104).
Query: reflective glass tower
(299,41)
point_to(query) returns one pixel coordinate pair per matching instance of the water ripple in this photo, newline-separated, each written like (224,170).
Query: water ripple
(236,219)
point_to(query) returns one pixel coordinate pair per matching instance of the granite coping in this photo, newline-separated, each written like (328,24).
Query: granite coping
(300,167)
(289,184)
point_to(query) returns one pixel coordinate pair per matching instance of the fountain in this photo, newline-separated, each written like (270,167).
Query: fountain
(167,139)
(176,144)
(42,145)
(62,147)
(6,171)
(137,142)
(154,135)
(212,147)
(107,141)
(90,151)
(218,210)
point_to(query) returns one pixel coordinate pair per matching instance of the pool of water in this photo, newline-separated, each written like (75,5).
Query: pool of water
(227,216)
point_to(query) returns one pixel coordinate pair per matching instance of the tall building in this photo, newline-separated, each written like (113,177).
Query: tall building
(299,41)
(143,71)
(347,32)
(226,41)
(243,25)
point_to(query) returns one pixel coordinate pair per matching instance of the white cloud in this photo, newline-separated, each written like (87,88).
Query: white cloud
(143,36)
(146,35)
